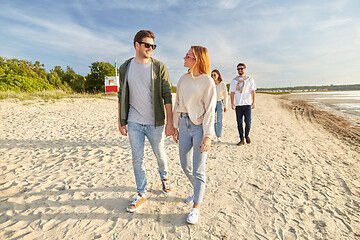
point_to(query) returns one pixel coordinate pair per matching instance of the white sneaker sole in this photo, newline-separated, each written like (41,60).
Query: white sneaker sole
(166,193)
(135,209)
(191,222)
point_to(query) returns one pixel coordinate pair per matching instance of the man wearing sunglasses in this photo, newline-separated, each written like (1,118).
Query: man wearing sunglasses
(242,96)
(144,97)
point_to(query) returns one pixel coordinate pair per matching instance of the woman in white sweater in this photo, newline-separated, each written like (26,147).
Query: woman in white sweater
(194,113)
(221,104)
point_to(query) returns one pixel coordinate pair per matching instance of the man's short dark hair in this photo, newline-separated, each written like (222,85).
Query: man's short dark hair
(143,34)
(241,64)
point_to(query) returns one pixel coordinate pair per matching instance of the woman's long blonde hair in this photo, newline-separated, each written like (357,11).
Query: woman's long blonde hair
(202,60)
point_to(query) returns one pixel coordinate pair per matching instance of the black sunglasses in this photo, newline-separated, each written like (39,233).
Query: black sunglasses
(148,45)
(240,69)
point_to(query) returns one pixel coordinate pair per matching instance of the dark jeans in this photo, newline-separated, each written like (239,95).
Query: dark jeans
(243,111)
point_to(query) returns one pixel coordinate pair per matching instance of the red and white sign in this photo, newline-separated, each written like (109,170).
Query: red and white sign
(111,84)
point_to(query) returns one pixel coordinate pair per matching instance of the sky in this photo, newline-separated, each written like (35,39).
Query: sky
(284,43)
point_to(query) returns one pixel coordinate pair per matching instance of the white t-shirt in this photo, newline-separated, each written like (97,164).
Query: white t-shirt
(243,98)
(139,80)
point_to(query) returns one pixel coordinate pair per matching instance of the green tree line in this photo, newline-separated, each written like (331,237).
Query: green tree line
(25,76)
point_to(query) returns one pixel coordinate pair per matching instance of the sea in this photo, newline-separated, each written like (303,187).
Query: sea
(345,103)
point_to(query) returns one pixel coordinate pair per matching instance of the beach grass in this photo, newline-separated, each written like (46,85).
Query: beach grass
(49,95)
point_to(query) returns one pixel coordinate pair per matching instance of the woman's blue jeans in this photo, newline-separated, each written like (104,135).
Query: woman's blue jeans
(243,112)
(218,118)
(193,162)
(155,135)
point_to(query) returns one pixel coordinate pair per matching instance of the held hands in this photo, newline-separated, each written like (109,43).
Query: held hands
(176,135)
(169,130)
(252,105)
(123,130)
(205,144)
(233,106)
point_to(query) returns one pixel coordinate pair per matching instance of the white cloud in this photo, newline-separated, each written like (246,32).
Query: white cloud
(65,38)
(147,6)
(323,25)
(225,4)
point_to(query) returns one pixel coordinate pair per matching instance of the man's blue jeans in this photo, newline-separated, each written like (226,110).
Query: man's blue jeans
(243,112)
(192,160)
(155,135)
(218,118)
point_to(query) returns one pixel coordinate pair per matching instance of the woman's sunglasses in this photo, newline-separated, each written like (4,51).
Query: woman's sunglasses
(189,56)
(148,45)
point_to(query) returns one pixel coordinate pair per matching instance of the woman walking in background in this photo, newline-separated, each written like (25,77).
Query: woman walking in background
(194,112)
(221,103)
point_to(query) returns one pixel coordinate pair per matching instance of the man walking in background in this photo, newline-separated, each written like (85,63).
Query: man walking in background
(144,96)
(243,97)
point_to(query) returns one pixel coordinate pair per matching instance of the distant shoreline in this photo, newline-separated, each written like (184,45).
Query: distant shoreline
(352,87)
(344,125)
(335,102)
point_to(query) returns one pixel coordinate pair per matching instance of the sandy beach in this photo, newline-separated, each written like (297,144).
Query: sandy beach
(66,173)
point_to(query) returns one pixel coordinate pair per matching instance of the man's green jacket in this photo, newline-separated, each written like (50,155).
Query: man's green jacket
(161,91)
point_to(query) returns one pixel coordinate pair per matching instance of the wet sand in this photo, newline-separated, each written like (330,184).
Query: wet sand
(66,173)
(338,103)
(344,124)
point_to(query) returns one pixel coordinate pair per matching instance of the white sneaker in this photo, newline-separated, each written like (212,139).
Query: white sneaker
(219,139)
(191,197)
(193,216)
(214,139)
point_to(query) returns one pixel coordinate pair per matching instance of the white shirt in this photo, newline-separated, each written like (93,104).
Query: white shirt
(197,98)
(243,98)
